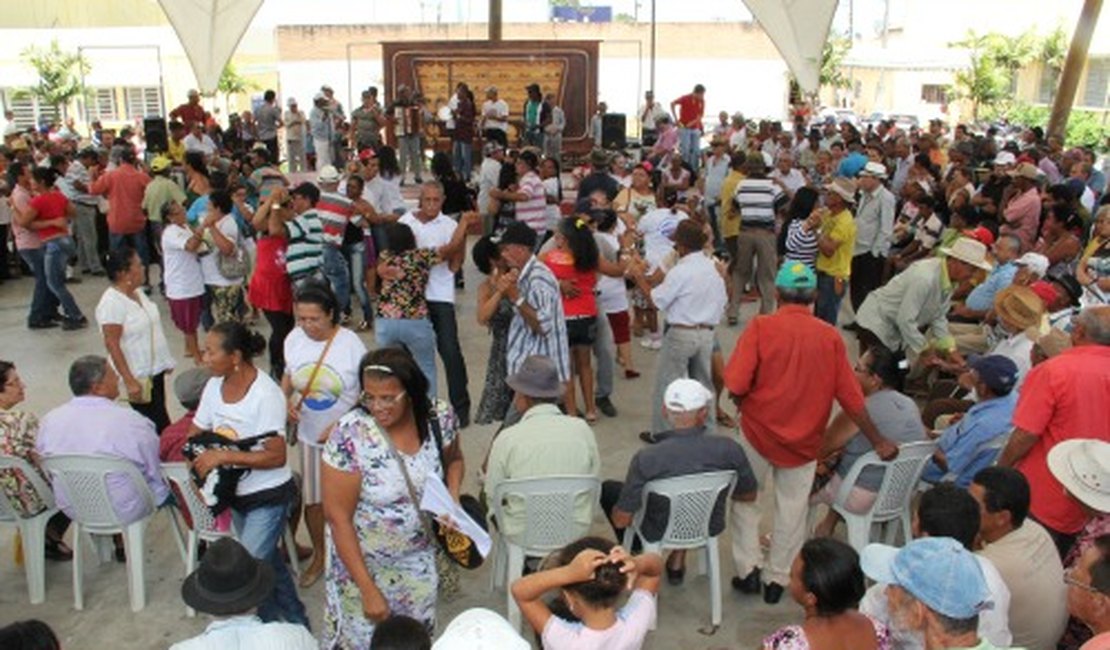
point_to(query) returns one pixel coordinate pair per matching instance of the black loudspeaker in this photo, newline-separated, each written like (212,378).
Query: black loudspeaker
(612,131)
(154,132)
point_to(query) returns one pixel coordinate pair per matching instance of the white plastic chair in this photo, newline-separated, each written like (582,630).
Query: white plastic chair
(548,507)
(31,529)
(204,528)
(84,480)
(692,500)
(892,503)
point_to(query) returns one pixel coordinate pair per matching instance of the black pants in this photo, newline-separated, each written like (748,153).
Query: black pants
(272,147)
(281,323)
(610,495)
(496,135)
(442,315)
(5,271)
(155,409)
(867,275)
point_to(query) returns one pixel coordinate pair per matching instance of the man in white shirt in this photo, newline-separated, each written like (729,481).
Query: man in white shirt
(495,116)
(295,120)
(229,584)
(948,511)
(874,227)
(785,174)
(650,113)
(433,229)
(76,189)
(198,140)
(488,176)
(692,297)
(553,131)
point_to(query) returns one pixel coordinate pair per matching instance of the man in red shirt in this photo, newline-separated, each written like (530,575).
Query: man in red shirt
(784,374)
(124,186)
(691,108)
(1064,398)
(190,112)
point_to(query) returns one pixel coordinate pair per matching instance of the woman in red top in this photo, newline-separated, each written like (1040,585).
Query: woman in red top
(49,215)
(574,261)
(270,288)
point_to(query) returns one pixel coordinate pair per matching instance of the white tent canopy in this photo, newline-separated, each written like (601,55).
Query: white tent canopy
(799,29)
(210,30)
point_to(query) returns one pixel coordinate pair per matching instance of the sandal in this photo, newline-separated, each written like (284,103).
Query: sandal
(57,551)
(631,374)
(725,420)
(310,575)
(591,417)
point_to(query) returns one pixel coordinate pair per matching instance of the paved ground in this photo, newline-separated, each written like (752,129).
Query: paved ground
(42,359)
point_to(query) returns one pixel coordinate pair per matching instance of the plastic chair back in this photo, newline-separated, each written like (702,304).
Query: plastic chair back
(8,511)
(692,500)
(549,506)
(900,479)
(198,515)
(83,478)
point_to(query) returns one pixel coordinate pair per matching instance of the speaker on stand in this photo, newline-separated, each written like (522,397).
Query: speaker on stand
(155,134)
(612,131)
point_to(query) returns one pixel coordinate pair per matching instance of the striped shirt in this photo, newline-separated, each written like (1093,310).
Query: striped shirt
(801,246)
(756,198)
(540,290)
(304,255)
(335,212)
(533,210)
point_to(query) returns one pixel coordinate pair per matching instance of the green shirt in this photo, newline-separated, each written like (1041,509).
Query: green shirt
(159,192)
(916,298)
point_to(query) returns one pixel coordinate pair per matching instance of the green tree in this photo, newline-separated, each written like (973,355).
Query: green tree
(832,63)
(60,76)
(1013,53)
(233,83)
(984,81)
(1052,50)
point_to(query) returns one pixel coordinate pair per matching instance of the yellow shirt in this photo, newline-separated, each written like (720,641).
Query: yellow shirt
(728,217)
(176,151)
(841,228)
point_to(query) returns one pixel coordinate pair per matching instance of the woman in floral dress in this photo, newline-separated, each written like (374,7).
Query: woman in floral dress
(381,559)
(17,438)
(495,311)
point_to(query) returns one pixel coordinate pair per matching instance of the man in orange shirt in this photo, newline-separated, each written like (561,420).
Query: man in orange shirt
(1064,398)
(124,186)
(784,374)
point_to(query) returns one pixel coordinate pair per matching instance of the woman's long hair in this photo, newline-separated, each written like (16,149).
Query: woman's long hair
(397,362)
(580,241)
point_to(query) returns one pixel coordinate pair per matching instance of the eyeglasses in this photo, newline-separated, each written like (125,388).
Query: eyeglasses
(383,401)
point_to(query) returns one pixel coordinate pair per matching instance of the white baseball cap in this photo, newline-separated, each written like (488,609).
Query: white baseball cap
(1035,262)
(1004,158)
(329,174)
(683,395)
(480,629)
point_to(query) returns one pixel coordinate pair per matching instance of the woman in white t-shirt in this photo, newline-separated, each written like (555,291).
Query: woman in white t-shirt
(321,384)
(592,575)
(225,294)
(247,407)
(182,275)
(133,336)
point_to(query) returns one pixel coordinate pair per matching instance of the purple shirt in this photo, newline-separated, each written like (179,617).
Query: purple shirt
(97,425)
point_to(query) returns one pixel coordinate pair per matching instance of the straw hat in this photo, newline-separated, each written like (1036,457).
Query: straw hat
(970,251)
(845,188)
(1020,306)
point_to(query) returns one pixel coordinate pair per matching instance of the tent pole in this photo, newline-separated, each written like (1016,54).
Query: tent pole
(1073,67)
(495,20)
(653,25)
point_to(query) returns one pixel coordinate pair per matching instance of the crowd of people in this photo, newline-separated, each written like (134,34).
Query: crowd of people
(976,271)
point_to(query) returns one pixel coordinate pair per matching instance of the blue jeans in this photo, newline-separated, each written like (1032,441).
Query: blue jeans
(259,530)
(689,147)
(462,158)
(335,269)
(58,252)
(828,302)
(356,257)
(136,240)
(415,334)
(43,303)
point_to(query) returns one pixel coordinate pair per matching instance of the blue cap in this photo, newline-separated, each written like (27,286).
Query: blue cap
(796,275)
(938,571)
(999,373)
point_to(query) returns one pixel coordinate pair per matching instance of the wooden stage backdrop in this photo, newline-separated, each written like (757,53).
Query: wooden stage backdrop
(566,68)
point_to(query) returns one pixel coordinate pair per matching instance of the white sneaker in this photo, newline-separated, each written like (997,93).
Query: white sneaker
(656,344)
(645,343)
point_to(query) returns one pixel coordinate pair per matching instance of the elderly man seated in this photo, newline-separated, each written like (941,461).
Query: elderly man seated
(689,448)
(972,443)
(543,443)
(94,423)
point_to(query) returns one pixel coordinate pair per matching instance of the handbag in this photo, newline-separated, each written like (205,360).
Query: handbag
(291,425)
(234,266)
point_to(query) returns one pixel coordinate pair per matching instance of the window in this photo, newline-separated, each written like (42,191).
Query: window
(143,101)
(1050,80)
(26,108)
(1098,82)
(934,94)
(103,105)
